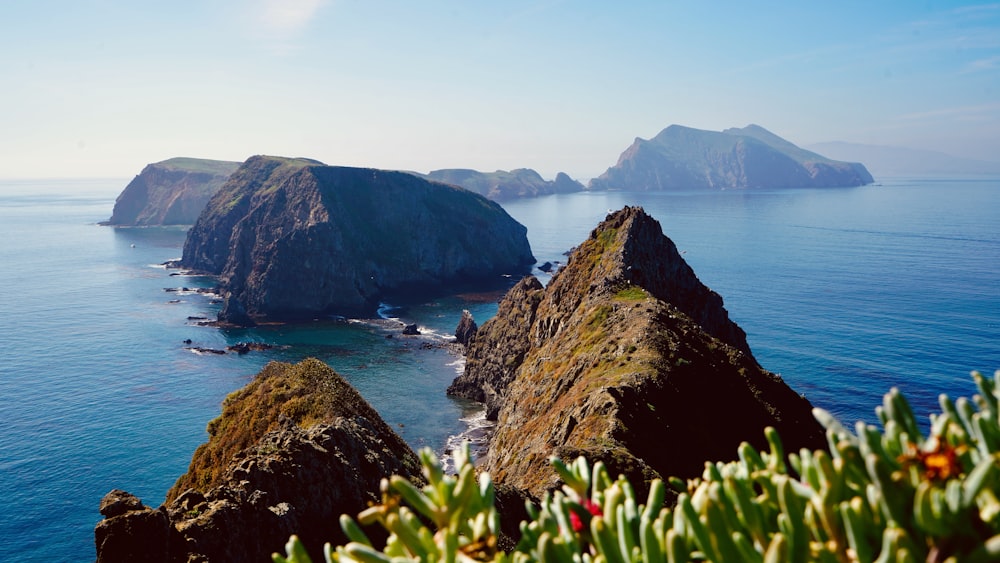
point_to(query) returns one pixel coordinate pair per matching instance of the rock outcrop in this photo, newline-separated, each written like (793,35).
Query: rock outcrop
(503,185)
(292,239)
(466,329)
(291,452)
(624,357)
(172,192)
(682,158)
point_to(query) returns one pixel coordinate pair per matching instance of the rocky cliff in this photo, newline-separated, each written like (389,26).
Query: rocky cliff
(172,192)
(503,185)
(682,158)
(624,357)
(292,238)
(291,452)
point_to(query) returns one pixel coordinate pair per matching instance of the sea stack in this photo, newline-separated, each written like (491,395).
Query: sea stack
(625,357)
(293,239)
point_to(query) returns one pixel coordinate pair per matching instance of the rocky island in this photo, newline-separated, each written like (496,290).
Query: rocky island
(625,357)
(503,185)
(293,239)
(682,158)
(171,192)
(292,451)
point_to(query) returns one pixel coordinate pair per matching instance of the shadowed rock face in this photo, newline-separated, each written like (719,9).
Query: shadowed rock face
(291,452)
(172,192)
(682,158)
(624,357)
(291,238)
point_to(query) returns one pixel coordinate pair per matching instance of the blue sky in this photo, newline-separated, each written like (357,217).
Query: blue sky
(103,87)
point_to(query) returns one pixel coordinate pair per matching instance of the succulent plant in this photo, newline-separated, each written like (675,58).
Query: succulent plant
(876,495)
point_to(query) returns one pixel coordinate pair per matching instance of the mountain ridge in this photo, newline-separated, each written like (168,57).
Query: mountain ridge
(503,185)
(680,158)
(624,357)
(887,160)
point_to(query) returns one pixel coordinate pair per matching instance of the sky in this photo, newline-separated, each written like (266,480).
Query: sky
(100,88)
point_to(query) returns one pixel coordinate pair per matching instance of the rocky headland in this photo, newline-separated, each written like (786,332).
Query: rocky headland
(172,192)
(292,239)
(292,451)
(682,158)
(625,357)
(502,185)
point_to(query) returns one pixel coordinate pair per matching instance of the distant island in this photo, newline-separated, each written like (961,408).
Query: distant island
(292,239)
(171,192)
(503,185)
(900,161)
(175,191)
(682,158)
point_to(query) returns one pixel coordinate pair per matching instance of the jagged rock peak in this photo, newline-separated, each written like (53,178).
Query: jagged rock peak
(629,248)
(466,329)
(625,357)
(292,451)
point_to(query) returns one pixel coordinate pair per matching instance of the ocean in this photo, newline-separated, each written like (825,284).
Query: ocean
(843,292)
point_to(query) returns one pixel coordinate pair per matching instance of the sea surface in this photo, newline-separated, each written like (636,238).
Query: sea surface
(844,292)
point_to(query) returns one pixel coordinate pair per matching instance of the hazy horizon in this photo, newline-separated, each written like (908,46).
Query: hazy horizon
(100,88)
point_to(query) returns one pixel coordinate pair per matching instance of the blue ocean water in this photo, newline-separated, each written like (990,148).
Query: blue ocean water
(844,292)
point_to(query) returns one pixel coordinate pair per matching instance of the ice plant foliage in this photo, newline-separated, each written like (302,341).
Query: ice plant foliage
(881,495)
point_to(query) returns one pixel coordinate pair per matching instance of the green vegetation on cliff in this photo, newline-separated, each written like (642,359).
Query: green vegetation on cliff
(307,393)
(624,357)
(293,239)
(171,192)
(875,495)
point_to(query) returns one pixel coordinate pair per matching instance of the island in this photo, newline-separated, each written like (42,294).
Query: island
(502,185)
(683,158)
(294,239)
(171,192)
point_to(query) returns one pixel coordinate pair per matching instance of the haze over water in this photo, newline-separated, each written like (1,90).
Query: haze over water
(844,292)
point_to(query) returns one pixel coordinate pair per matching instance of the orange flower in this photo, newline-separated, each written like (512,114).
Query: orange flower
(939,464)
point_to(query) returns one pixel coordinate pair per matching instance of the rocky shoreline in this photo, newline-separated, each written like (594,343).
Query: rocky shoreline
(624,357)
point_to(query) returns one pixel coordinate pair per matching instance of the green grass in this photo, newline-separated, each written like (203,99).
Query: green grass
(632,293)
(216,167)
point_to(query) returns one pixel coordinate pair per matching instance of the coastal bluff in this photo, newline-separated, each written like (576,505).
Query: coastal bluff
(683,158)
(292,451)
(293,239)
(171,192)
(624,357)
(502,185)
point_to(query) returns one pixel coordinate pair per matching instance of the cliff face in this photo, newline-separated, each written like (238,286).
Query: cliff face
(680,158)
(291,238)
(290,453)
(624,357)
(502,185)
(172,192)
